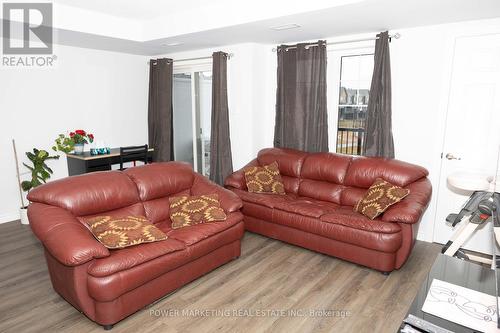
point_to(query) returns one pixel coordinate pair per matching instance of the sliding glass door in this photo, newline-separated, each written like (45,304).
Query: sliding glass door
(192,101)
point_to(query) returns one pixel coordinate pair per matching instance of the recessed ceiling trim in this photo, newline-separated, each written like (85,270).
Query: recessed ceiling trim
(286,27)
(172,44)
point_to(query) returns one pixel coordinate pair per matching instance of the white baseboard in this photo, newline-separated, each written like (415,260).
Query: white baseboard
(9,217)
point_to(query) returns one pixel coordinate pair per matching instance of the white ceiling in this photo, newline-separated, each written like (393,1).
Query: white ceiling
(133,9)
(145,26)
(153,9)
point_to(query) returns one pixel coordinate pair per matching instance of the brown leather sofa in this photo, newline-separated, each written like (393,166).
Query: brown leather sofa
(108,285)
(317,210)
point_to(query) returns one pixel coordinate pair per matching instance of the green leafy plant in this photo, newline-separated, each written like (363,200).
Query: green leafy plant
(40,172)
(66,144)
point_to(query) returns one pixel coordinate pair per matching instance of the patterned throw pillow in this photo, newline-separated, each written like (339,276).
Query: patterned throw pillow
(266,179)
(379,197)
(186,211)
(120,232)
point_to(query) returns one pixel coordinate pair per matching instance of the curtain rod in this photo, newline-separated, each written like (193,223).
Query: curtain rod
(229,56)
(395,36)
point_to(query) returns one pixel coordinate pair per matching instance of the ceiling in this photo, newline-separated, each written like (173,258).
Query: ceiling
(147,26)
(133,9)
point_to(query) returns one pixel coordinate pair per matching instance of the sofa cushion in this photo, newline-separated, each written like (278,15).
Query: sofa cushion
(351,195)
(196,233)
(120,232)
(123,259)
(187,211)
(345,216)
(379,197)
(351,231)
(87,194)
(163,179)
(326,167)
(289,160)
(321,190)
(267,200)
(264,179)
(109,287)
(363,171)
(158,209)
(307,207)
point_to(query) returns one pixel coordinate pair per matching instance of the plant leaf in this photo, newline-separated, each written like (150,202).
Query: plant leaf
(26,186)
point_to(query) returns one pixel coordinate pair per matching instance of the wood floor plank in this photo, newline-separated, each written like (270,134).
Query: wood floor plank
(280,282)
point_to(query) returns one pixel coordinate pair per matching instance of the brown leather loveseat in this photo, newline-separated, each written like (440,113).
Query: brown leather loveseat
(108,285)
(317,210)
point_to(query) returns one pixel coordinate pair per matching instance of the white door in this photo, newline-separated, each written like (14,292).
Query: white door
(472,134)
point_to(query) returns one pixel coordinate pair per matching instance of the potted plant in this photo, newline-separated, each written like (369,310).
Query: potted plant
(75,142)
(40,173)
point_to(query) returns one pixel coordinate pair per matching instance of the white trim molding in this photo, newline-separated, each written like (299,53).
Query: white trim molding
(9,217)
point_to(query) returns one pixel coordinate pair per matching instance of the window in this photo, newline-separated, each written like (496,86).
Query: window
(348,118)
(192,104)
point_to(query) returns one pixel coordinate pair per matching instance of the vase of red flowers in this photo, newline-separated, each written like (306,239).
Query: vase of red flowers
(75,142)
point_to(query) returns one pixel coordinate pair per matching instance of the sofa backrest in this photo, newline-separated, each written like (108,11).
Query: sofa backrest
(90,194)
(338,178)
(142,190)
(157,182)
(290,164)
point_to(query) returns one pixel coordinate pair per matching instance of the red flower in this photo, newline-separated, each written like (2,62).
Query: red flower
(91,136)
(80,132)
(71,134)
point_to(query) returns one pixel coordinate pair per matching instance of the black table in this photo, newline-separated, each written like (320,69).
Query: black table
(462,273)
(84,163)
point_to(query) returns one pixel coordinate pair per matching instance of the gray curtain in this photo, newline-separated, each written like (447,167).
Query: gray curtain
(378,139)
(160,111)
(301,114)
(221,161)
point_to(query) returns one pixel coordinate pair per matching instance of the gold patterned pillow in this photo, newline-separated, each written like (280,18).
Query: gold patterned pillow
(266,179)
(120,232)
(380,196)
(186,211)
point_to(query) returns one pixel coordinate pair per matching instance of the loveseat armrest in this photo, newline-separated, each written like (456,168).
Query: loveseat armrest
(237,178)
(63,235)
(229,201)
(411,208)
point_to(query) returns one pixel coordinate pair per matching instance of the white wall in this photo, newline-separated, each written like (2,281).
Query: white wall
(102,92)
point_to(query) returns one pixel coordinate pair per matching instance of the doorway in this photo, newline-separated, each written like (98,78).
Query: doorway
(192,105)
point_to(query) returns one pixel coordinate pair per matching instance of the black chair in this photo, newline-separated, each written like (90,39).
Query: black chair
(133,154)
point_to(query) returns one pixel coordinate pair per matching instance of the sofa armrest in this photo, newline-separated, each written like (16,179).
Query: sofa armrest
(411,208)
(63,235)
(229,201)
(237,179)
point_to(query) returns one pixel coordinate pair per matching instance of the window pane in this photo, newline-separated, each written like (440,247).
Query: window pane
(356,72)
(203,114)
(350,68)
(183,118)
(192,122)
(366,68)
(348,94)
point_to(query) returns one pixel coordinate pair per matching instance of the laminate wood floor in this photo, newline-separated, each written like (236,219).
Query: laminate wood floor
(250,294)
